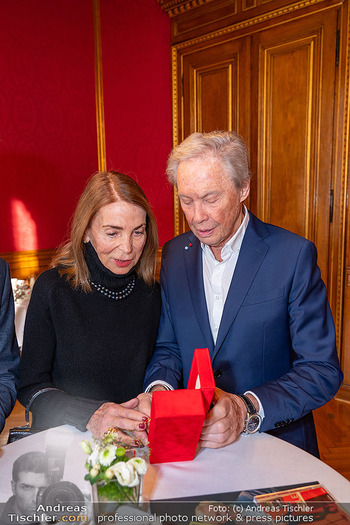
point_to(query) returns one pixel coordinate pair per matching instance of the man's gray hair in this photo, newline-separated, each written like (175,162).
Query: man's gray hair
(227,146)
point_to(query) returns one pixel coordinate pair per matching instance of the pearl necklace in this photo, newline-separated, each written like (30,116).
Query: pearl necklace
(121,294)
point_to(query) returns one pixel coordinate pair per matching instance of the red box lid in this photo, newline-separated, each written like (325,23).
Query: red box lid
(201,375)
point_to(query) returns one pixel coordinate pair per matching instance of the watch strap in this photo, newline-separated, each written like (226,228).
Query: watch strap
(248,404)
(253,419)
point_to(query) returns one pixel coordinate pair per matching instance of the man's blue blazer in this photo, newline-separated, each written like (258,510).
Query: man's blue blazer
(9,352)
(276,335)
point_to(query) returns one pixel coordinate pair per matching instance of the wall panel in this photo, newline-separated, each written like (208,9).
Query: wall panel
(137,98)
(47,125)
(48,142)
(296,64)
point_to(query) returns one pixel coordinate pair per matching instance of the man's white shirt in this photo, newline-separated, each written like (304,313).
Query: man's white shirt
(217,277)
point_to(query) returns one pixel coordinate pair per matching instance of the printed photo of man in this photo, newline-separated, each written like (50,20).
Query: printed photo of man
(29,478)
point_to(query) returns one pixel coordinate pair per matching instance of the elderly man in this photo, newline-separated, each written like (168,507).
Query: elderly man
(252,294)
(9,353)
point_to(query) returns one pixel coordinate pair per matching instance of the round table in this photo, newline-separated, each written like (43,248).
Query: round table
(253,462)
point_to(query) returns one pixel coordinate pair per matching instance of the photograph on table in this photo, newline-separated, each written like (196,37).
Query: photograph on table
(36,483)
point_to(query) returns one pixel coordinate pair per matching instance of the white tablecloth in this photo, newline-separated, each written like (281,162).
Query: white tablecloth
(252,462)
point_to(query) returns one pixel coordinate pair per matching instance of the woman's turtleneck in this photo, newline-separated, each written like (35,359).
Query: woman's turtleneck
(102,275)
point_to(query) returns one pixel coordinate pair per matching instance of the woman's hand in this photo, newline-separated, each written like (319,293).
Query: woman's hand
(121,417)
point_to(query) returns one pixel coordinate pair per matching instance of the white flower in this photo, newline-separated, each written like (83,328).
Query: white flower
(85,445)
(107,455)
(126,474)
(93,459)
(139,464)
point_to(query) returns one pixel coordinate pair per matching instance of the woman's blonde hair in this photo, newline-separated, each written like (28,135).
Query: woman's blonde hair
(101,189)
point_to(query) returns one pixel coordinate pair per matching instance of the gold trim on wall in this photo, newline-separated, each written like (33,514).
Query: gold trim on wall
(255,20)
(158,262)
(24,264)
(176,7)
(342,191)
(100,119)
(176,140)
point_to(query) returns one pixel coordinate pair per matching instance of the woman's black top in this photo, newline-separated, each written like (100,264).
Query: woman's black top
(88,347)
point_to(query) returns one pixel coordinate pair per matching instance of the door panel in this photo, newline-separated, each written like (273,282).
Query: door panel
(215,83)
(216,87)
(295,88)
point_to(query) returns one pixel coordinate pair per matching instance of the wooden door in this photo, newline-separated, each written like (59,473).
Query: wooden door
(293,101)
(276,88)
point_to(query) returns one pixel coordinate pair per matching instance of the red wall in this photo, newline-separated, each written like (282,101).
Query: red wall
(48,144)
(47,125)
(137,98)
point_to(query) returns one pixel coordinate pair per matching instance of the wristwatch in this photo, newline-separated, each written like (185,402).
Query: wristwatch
(253,419)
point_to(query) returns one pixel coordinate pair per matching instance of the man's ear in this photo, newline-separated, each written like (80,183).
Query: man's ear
(245,191)
(13,487)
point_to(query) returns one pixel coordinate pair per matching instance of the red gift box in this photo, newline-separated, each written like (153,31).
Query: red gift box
(177,416)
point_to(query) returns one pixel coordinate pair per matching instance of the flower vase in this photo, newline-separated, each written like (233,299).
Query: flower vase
(116,475)
(107,497)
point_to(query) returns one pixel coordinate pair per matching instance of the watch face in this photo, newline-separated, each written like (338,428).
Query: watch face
(253,423)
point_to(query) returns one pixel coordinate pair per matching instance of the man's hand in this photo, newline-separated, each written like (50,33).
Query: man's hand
(144,406)
(145,399)
(224,422)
